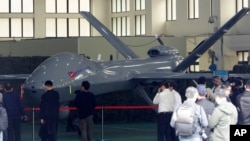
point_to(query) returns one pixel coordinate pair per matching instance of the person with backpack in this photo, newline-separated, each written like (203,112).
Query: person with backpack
(224,115)
(189,118)
(207,105)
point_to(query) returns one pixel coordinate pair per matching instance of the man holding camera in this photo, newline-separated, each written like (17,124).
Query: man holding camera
(166,104)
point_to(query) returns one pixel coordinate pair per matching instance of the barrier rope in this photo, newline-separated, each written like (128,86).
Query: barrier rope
(97,108)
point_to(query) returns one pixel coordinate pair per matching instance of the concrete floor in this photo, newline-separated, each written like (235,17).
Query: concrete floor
(111,132)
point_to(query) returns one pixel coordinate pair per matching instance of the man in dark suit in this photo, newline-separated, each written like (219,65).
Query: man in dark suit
(15,111)
(49,113)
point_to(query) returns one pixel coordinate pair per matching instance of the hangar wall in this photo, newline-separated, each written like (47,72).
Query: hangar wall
(90,46)
(38,47)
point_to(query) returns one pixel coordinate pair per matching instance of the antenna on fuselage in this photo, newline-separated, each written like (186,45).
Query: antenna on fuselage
(159,39)
(99,57)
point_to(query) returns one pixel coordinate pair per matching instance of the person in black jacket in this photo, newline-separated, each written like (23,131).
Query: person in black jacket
(237,89)
(243,103)
(15,111)
(85,103)
(49,113)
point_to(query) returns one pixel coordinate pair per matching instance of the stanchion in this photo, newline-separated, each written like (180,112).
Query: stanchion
(97,108)
(102,127)
(33,124)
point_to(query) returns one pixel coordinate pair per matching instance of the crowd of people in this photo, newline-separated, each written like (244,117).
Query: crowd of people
(10,100)
(216,108)
(49,112)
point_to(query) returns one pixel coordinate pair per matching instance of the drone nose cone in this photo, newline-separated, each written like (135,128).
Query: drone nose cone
(62,69)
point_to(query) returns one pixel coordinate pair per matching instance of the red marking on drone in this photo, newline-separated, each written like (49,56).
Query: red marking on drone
(72,74)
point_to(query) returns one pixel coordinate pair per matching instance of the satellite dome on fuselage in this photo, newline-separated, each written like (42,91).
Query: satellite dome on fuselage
(163,51)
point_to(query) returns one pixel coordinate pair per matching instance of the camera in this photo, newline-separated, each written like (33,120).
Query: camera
(203,135)
(211,19)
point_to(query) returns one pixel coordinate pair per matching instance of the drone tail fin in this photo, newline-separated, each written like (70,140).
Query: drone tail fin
(108,35)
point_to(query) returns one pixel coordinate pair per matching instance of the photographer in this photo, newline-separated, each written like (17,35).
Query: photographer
(165,100)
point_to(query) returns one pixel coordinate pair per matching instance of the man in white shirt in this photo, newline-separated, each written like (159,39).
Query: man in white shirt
(166,103)
(177,96)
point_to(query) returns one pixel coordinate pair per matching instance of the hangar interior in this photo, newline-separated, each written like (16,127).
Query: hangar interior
(47,27)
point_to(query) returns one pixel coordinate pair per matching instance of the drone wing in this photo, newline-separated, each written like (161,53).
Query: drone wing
(177,75)
(204,46)
(13,76)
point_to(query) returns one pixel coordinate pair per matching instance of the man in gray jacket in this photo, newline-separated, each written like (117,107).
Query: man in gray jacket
(206,104)
(224,115)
